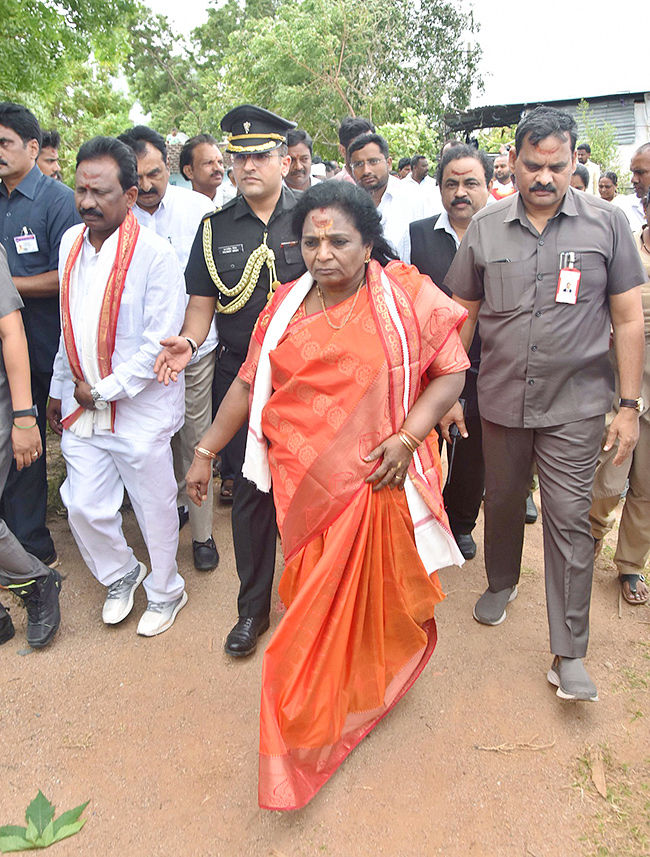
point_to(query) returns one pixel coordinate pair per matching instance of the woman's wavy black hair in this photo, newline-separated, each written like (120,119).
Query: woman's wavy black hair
(356,204)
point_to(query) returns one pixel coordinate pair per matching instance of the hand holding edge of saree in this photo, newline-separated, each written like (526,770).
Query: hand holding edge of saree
(434,402)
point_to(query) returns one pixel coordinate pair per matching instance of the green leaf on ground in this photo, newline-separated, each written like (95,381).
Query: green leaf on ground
(13,830)
(32,832)
(15,843)
(69,817)
(40,812)
(69,830)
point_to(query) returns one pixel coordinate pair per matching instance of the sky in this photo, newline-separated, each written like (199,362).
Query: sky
(532,51)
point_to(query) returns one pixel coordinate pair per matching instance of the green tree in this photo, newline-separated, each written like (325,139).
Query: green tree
(600,136)
(412,135)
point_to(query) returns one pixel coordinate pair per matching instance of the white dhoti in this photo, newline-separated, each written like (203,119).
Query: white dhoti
(99,469)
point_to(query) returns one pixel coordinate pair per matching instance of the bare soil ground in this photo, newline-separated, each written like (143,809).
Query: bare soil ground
(480,759)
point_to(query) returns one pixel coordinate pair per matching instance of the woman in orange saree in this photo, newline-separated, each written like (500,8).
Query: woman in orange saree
(349,368)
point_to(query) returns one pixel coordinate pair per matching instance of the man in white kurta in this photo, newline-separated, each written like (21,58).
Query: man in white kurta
(116,423)
(175,213)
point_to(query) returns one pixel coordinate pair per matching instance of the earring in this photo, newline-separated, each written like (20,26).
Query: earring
(367,259)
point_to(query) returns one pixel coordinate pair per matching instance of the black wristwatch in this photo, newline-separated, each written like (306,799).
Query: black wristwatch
(636,404)
(26,412)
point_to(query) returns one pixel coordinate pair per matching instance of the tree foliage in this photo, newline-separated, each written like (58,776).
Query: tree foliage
(412,135)
(601,137)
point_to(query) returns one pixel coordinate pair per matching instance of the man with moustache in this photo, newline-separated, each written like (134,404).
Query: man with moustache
(175,214)
(420,180)
(256,225)
(35,211)
(640,169)
(201,163)
(371,164)
(301,152)
(547,271)
(465,177)
(122,291)
(48,157)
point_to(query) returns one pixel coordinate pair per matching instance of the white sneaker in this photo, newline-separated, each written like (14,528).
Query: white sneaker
(119,599)
(160,615)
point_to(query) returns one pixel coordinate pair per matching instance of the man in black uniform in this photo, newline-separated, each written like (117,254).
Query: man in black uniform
(240,253)
(464,177)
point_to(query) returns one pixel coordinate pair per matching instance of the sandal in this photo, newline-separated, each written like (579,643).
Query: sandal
(225,495)
(632,580)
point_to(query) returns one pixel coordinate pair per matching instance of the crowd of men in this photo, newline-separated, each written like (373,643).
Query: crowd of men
(531,241)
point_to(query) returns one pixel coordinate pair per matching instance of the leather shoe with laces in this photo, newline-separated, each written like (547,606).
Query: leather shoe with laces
(242,640)
(206,555)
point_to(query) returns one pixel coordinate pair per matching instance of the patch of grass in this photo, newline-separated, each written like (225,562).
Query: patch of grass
(620,827)
(55,474)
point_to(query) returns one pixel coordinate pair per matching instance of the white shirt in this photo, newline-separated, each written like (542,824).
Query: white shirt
(152,308)
(443,222)
(594,175)
(430,191)
(632,207)
(399,206)
(177,220)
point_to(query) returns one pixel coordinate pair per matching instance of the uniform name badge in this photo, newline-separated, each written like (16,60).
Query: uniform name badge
(26,243)
(568,281)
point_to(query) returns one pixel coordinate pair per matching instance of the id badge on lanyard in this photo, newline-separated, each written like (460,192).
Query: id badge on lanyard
(568,282)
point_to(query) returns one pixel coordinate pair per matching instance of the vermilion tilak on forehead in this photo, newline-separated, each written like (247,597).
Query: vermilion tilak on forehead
(461,172)
(548,149)
(322,222)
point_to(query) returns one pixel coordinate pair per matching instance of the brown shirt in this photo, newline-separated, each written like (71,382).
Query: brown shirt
(544,363)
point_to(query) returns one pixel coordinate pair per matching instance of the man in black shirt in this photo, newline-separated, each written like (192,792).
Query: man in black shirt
(254,228)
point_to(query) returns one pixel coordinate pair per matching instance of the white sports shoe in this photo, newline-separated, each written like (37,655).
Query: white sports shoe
(160,615)
(119,599)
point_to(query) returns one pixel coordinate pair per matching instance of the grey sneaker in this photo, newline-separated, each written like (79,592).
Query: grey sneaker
(572,680)
(119,598)
(160,615)
(490,609)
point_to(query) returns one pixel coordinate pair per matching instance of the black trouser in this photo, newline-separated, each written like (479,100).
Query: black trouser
(254,528)
(464,491)
(24,501)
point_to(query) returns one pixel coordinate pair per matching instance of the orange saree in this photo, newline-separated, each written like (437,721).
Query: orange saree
(359,625)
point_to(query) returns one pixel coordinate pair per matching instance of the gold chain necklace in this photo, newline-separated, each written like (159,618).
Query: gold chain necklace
(349,315)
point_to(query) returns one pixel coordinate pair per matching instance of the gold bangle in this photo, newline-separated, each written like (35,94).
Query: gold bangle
(407,442)
(206,454)
(412,437)
(26,427)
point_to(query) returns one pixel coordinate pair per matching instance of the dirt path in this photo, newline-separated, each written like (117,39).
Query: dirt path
(479,760)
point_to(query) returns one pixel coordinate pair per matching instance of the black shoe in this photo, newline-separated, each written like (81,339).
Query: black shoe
(7,629)
(466,544)
(41,599)
(206,555)
(242,640)
(531,509)
(183,516)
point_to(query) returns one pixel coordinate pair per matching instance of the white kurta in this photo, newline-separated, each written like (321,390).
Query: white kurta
(137,455)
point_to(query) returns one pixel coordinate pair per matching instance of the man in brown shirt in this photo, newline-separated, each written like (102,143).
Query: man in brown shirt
(545,382)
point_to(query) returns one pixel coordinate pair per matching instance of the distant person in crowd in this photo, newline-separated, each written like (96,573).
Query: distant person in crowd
(404,167)
(371,164)
(350,128)
(48,157)
(24,575)
(503,185)
(584,158)
(640,169)
(633,542)
(580,178)
(545,382)
(331,169)
(122,291)
(608,186)
(201,163)
(35,211)
(175,214)
(301,151)
(176,138)
(465,178)
(318,170)
(229,187)
(420,178)
(450,144)
(220,275)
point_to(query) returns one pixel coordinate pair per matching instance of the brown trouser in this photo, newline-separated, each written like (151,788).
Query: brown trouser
(633,547)
(566,459)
